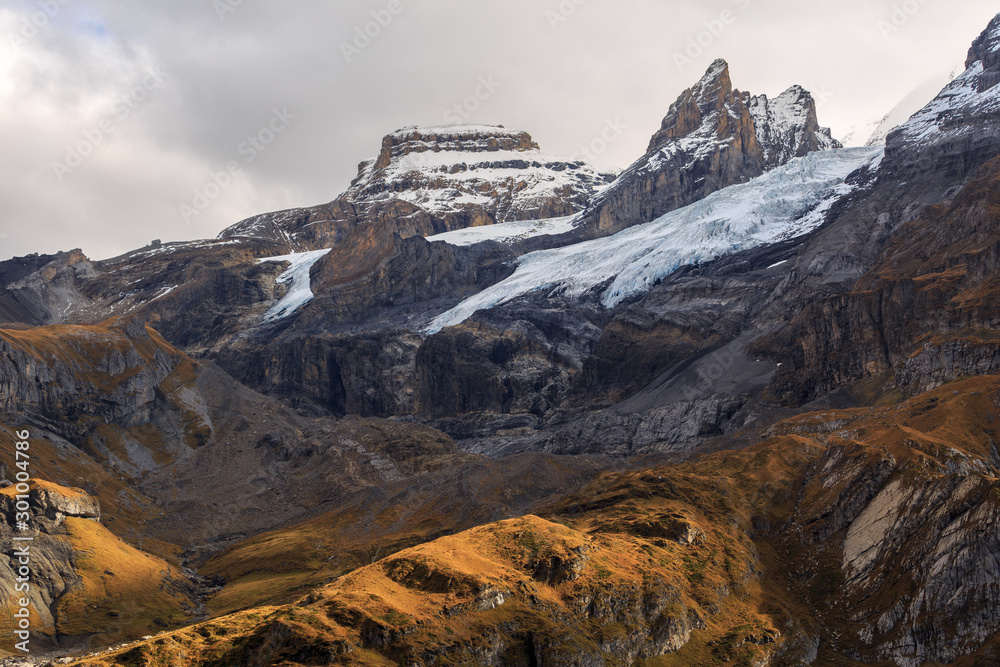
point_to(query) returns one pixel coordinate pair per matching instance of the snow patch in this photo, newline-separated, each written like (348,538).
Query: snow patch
(163,292)
(300,288)
(507,232)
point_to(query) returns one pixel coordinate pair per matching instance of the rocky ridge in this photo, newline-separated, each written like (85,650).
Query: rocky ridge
(856,528)
(429,180)
(712,137)
(85,582)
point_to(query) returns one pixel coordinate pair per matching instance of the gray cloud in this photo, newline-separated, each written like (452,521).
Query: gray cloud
(563,69)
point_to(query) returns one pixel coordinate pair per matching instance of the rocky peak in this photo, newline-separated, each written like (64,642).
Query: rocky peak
(454,167)
(787,126)
(451,138)
(986,49)
(429,180)
(712,93)
(713,136)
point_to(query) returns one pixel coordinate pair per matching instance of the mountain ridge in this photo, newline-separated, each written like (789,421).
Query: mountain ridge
(780,453)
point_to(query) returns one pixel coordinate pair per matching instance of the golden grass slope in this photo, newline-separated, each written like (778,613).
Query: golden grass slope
(501,592)
(731,559)
(113,591)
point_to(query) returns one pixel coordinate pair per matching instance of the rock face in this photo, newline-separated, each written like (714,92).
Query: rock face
(849,371)
(713,136)
(54,502)
(121,593)
(922,314)
(915,303)
(43,289)
(787,126)
(904,529)
(428,180)
(111,373)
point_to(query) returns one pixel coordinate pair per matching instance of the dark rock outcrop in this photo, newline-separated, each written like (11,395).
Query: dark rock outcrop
(44,289)
(919,298)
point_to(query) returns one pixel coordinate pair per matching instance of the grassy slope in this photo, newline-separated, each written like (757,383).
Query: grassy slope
(81,350)
(423,600)
(123,593)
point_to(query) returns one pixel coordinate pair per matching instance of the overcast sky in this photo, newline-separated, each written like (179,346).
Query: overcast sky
(114,116)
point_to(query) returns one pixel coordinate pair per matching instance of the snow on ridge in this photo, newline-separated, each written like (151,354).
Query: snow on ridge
(912,103)
(783,203)
(466,164)
(459,130)
(447,181)
(300,290)
(956,100)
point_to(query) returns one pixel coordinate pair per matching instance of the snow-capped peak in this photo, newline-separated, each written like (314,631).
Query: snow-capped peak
(431,179)
(444,169)
(787,126)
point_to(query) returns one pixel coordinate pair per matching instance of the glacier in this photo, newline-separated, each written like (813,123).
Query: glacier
(784,203)
(300,288)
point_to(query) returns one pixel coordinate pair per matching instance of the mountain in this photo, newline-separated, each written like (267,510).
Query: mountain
(782,204)
(736,406)
(841,538)
(944,248)
(713,136)
(909,105)
(428,180)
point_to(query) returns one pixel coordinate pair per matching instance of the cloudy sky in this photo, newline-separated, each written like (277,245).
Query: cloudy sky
(118,120)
